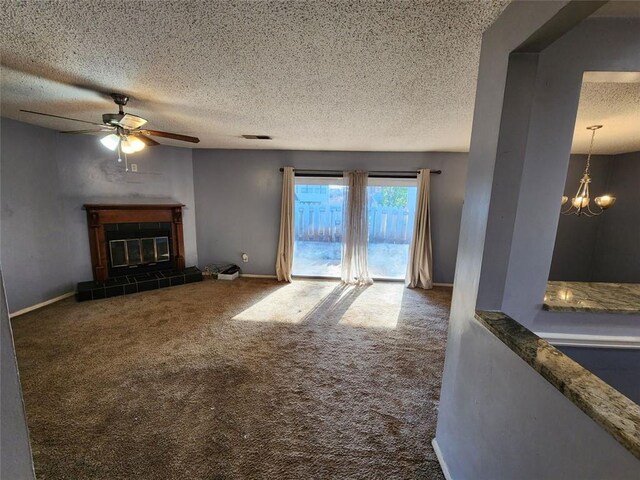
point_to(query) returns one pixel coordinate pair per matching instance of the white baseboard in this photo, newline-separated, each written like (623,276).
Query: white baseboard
(595,341)
(41,304)
(443,464)
(254,275)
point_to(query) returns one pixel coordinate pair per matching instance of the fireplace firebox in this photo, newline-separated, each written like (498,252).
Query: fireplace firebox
(134,248)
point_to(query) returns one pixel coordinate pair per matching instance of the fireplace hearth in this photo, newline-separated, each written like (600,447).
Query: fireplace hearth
(129,284)
(135,248)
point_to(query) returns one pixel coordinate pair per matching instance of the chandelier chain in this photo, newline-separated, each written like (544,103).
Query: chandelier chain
(593,134)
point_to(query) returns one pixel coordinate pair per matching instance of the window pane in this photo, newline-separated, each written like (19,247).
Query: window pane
(162,244)
(391,215)
(318,227)
(148,250)
(133,249)
(118,253)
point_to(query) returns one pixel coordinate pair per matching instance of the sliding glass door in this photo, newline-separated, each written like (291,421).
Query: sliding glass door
(318,209)
(392,209)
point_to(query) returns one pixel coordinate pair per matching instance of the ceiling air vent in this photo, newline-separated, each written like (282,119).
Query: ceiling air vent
(257,137)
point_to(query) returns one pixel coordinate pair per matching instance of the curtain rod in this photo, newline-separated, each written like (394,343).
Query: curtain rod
(372,174)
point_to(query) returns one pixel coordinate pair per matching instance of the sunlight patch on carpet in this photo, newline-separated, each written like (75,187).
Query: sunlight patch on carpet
(305,302)
(376,307)
(289,304)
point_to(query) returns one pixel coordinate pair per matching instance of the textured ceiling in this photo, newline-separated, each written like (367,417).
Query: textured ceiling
(615,106)
(336,75)
(389,75)
(610,99)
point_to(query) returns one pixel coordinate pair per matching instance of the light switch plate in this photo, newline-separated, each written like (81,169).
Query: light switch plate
(134,167)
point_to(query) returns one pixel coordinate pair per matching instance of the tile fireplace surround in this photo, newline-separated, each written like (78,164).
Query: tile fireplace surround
(111,280)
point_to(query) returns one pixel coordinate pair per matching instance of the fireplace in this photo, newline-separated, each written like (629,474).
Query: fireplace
(116,234)
(138,247)
(135,248)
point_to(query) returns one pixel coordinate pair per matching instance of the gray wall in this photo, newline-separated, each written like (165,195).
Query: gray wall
(617,252)
(33,237)
(619,367)
(605,248)
(238,195)
(498,418)
(46,178)
(15,450)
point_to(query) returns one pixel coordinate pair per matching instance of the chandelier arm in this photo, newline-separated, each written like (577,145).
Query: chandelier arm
(586,212)
(594,214)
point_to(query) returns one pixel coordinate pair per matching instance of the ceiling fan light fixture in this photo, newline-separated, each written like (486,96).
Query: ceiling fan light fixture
(126,146)
(131,144)
(111,141)
(136,143)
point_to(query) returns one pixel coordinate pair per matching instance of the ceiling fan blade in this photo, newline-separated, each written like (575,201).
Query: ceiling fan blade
(97,130)
(149,142)
(174,136)
(58,116)
(132,121)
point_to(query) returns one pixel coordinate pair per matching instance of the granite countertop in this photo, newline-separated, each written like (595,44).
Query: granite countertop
(605,405)
(592,297)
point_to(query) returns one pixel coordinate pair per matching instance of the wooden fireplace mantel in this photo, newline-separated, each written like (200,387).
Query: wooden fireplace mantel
(98,215)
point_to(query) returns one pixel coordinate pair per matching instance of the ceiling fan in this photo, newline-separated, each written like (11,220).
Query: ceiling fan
(126,134)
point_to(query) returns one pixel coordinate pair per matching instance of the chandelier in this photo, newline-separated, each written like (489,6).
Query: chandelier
(580,203)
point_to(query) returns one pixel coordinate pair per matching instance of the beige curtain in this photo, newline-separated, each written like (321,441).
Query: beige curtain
(355,269)
(420,266)
(284,261)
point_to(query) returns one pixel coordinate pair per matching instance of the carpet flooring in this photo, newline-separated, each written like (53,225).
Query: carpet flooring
(248,379)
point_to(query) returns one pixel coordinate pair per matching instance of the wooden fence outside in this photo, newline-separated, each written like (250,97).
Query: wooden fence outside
(321,223)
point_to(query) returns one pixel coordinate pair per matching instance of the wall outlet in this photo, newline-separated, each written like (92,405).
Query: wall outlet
(245,258)
(134,167)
